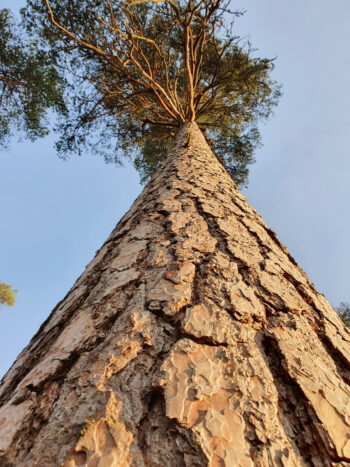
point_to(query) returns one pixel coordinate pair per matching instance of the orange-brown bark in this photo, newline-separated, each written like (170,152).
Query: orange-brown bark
(192,338)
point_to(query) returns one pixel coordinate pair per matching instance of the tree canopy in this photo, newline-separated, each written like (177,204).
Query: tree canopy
(29,84)
(138,69)
(7,294)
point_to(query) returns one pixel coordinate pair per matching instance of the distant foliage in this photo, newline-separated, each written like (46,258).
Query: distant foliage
(30,84)
(7,294)
(343,311)
(138,69)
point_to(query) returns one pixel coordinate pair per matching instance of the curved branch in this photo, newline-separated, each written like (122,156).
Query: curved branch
(76,39)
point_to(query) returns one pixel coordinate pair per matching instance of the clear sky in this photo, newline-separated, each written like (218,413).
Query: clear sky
(55,214)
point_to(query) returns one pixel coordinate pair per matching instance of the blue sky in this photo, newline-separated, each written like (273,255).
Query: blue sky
(55,214)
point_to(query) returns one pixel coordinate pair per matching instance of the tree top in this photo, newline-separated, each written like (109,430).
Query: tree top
(140,68)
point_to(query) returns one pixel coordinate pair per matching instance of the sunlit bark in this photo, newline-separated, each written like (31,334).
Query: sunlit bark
(192,338)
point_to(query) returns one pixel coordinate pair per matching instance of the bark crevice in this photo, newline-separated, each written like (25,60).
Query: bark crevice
(163,441)
(298,419)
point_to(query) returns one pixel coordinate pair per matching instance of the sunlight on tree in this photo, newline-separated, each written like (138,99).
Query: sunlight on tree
(138,70)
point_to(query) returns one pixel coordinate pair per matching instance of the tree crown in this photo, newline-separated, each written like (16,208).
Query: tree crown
(139,69)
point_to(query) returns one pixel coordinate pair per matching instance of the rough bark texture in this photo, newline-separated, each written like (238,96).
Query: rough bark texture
(192,339)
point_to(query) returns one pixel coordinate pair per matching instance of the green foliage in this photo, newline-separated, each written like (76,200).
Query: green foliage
(343,311)
(29,84)
(114,109)
(7,294)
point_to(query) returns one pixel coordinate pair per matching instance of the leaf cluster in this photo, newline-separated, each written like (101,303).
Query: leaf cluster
(7,294)
(30,84)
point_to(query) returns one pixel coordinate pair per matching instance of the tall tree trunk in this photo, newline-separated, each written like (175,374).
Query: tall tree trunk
(193,338)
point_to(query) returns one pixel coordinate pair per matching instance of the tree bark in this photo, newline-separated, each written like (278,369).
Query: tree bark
(192,338)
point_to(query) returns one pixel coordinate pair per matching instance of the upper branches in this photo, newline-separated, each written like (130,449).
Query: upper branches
(153,56)
(139,64)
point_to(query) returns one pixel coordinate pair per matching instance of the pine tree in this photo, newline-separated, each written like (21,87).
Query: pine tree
(193,338)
